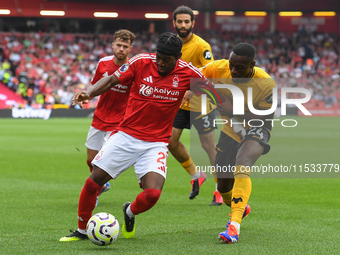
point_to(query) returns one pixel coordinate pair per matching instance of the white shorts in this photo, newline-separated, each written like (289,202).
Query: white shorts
(122,151)
(96,138)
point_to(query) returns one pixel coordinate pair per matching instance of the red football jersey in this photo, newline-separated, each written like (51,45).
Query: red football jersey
(154,99)
(111,107)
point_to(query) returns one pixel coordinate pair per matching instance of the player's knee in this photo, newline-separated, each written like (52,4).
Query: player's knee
(89,158)
(245,160)
(152,195)
(207,146)
(249,152)
(91,154)
(207,142)
(225,185)
(173,145)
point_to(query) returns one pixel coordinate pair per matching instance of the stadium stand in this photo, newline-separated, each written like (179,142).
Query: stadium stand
(59,64)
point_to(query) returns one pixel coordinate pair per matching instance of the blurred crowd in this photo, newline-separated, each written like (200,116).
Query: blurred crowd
(46,69)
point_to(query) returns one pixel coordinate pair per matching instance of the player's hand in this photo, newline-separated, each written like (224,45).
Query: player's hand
(238,128)
(226,108)
(81,104)
(80,98)
(186,99)
(240,135)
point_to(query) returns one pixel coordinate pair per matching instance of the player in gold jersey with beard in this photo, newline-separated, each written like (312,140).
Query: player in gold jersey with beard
(240,145)
(198,52)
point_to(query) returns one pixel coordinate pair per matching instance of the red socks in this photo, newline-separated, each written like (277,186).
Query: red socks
(87,202)
(145,200)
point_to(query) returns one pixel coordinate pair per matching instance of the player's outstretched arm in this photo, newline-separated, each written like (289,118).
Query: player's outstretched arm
(186,98)
(97,89)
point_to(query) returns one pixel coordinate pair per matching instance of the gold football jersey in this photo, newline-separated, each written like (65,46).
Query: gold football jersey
(197,52)
(261,83)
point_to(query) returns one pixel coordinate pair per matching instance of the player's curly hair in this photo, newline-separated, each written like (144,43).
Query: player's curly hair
(169,44)
(245,49)
(125,35)
(183,10)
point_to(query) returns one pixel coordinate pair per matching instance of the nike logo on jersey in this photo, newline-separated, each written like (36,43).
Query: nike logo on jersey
(148,79)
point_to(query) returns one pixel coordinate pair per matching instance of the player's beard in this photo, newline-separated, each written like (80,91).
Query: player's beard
(119,55)
(165,72)
(183,35)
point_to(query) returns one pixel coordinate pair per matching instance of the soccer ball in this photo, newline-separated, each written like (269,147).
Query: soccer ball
(102,229)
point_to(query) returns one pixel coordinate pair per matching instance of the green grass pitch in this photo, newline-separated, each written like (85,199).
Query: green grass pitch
(43,168)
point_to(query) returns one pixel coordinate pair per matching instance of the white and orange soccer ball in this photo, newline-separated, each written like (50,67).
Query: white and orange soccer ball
(102,229)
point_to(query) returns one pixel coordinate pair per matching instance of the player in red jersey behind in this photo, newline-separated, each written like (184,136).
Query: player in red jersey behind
(159,82)
(111,106)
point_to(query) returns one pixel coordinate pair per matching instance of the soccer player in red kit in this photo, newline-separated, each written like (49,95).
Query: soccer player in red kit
(159,82)
(111,106)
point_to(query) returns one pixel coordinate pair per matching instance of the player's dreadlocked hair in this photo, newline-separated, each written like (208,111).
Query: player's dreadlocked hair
(245,49)
(183,10)
(169,44)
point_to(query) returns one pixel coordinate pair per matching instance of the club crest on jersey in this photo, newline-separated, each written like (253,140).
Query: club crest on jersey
(207,54)
(146,90)
(236,200)
(124,67)
(175,81)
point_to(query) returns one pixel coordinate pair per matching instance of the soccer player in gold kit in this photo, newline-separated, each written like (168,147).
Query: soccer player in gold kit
(198,52)
(235,150)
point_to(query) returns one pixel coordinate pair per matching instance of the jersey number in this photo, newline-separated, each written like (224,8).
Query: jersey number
(160,160)
(256,131)
(206,123)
